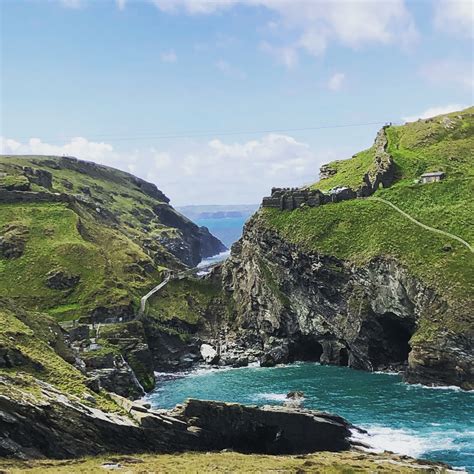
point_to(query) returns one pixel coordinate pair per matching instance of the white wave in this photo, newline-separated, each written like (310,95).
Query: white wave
(400,441)
(454,388)
(386,372)
(277,397)
(214,259)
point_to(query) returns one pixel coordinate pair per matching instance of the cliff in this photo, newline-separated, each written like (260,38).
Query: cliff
(110,232)
(356,282)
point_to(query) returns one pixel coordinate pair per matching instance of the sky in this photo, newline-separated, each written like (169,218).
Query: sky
(217,101)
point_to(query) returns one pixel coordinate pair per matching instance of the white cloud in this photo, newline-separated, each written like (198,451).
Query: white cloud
(288,56)
(169,56)
(193,6)
(352,23)
(336,81)
(229,70)
(121,4)
(79,147)
(449,72)
(434,111)
(455,17)
(71,3)
(198,173)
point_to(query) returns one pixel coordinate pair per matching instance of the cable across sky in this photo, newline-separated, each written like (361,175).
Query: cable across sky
(206,133)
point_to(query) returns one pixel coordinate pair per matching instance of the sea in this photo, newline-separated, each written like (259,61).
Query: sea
(434,423)
(423,422)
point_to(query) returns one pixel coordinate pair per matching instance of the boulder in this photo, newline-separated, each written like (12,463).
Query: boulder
(277,355)
(209,354)
(13,240)
(61,279)
(269,430)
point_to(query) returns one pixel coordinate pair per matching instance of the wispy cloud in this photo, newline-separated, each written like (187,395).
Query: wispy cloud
(316,24)
(169,56)
(336,81)
(202,173)
(434,111)
(230,70)
(285,55)
(455,17)
(71,3)
(454,72)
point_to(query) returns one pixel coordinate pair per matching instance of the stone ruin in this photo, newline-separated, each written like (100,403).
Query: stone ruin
(382,174)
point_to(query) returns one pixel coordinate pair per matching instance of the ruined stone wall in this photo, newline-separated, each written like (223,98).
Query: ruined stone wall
(383,173)
(10,197)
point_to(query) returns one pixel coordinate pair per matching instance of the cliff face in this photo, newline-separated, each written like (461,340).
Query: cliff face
(363,281)
(107,232)
(298,305)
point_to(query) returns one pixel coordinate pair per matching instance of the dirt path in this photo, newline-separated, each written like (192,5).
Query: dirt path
(424,226)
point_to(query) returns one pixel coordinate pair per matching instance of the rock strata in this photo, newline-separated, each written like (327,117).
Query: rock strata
(49,423)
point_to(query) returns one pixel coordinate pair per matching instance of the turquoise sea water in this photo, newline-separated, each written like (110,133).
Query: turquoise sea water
(431,423)
(228,230)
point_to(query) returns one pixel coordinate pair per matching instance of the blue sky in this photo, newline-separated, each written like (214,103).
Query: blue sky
(109,80)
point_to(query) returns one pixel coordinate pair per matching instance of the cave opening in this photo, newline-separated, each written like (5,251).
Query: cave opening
(389,344)
(307,349)
(343,357)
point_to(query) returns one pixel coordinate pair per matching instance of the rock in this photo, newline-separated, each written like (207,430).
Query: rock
(45,422)
(79,333)
(38,176)
(337,312)
(294,399)
(295,394)
(241,362)
(209,354)
(269,430)
(61,279)
(13,240)
(278,355)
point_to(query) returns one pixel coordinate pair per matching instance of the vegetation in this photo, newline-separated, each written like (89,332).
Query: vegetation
(331,463)
(362,229)
(106,238)
(185,300)
(348,172)
(35,342)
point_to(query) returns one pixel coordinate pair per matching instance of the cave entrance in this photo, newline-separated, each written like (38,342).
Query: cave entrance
(389,342)
(307,348)
(343,357)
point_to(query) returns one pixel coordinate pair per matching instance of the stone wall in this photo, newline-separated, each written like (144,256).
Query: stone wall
(383,173)
(9,197)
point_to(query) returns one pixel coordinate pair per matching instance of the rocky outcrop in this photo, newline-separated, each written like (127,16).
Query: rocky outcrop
(192,243)
(61,279)
(40,177)
(46,422)
(13,239)
(382,173)
(297,305)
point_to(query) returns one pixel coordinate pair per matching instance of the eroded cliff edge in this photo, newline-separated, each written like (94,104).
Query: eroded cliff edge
(337,274)
(292,304)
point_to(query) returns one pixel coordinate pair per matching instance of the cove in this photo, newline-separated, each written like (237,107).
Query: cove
(430,423)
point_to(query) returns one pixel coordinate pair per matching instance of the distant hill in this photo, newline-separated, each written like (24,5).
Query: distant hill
(218,211)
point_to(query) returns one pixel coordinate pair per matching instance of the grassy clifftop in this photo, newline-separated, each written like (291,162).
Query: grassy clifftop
(96,246)
(361,229)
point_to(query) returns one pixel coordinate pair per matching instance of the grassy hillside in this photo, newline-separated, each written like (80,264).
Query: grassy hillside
(31,344)
(361,229)
(107,242)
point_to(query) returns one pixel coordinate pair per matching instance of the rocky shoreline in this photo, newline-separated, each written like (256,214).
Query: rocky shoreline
(44,422)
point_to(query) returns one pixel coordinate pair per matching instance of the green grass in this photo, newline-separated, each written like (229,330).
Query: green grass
(103,258)
(39,340)
(184,300)
(360,230)
(346,462)
(348,172)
